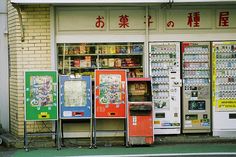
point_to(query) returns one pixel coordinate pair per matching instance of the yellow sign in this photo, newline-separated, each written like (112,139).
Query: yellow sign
(195,121)
(228,104)
(157,122)
(43,115)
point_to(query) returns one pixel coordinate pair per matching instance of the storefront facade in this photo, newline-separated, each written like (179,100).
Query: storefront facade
(43,36)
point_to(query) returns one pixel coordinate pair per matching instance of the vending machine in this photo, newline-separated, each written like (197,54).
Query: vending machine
(166,83)
(196,87)
(41,96)
(41,106)
(110,100)
(110,93)
(140,111)
(75,97)
(223,88)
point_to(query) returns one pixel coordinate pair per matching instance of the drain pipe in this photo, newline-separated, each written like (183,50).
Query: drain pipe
(20,20)
(146,54)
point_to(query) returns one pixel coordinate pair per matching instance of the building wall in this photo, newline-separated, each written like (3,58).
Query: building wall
(4,84)
(31,54)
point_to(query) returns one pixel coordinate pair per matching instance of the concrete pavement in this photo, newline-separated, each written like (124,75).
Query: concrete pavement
(204,149)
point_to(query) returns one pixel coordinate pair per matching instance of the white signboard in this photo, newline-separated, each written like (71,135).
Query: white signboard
(131,19)
(87,1)
(81,20)
(188,19)
(226,18)
(98,20)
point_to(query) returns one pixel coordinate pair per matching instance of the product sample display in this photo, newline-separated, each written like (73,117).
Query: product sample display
(165,73)
(84,58)
(41,95)
(140,111)
(75,97)
(223,88)
(196,87)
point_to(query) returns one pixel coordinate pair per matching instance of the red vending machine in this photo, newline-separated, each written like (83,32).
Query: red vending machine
(140,111)
(110,98)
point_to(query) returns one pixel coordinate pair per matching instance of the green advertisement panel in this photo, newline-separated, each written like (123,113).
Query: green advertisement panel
(41,95)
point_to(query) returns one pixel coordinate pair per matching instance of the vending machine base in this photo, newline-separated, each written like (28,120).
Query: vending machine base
(166,131)
(51,133)
(140,124)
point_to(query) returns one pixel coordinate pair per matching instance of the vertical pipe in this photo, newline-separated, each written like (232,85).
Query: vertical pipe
(145,58)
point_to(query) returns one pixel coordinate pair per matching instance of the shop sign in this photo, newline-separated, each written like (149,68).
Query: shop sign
(131,19)
(83,20)
(225,18)
(188,19)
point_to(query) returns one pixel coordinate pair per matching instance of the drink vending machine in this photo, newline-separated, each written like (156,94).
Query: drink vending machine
(196,87)
(110,96)
(223,89)
(140,109)
(166,83)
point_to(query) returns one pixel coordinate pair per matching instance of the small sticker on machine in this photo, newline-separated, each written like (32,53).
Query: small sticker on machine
(67,114)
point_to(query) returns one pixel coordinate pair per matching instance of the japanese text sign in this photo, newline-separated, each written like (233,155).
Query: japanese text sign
(188,19)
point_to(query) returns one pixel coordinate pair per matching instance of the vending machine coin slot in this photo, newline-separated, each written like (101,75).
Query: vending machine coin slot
(112,114)
(191,117)
(77,114)
(160,115)
(140,110)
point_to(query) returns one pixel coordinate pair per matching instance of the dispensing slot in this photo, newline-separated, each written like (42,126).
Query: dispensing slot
(232,116)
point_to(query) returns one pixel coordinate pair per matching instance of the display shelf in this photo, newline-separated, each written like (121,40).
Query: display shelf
(226,83)
(225,59)
(195,69)
(223,76)
(196,77)
(196,84)
(196,61)
(77,58)
(226,68)
(196,53)
(162,60)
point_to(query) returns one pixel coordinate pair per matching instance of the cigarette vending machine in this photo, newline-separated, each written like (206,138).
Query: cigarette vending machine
(110,97)
(223,89)
(196,87)
(140,109)
(166,84)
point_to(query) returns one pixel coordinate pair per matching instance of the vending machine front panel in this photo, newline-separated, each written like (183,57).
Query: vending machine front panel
(110,93)
(41,96)
(75,97)
(196,87)
(223,88)
(166,83)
